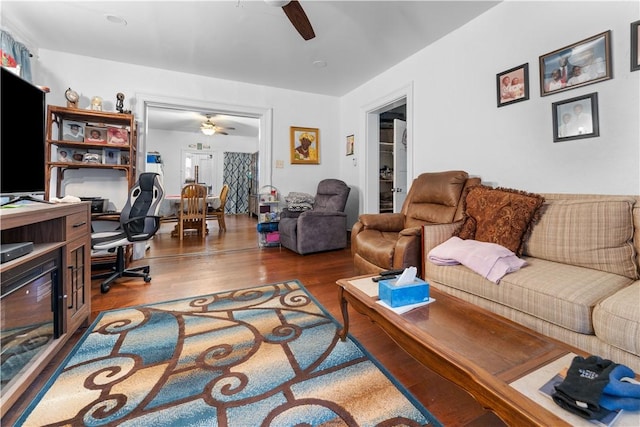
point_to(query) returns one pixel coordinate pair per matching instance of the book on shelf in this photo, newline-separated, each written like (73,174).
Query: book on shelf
(607,419)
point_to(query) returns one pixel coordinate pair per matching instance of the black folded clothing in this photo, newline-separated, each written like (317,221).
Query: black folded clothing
(581,389)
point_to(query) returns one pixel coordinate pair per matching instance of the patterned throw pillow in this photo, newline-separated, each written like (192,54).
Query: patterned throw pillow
(499,215)
(299,202)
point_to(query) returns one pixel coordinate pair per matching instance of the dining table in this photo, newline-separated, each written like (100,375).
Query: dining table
(213,202)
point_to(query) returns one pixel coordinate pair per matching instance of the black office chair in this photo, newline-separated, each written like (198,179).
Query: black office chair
(139,221)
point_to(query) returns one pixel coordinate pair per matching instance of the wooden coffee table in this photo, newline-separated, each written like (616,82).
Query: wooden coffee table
(479,351)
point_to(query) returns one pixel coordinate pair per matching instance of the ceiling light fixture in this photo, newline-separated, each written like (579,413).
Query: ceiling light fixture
(208,128)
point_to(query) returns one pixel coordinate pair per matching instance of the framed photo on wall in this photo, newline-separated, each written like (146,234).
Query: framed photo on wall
(635,47)
(576,118)
(582,63)
(305,146)
(350,145)
(513,85)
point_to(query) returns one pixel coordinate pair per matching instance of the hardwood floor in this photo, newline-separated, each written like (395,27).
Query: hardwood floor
(232,260)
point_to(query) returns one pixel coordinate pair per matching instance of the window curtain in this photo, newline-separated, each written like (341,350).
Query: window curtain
(237,168)
(15,53)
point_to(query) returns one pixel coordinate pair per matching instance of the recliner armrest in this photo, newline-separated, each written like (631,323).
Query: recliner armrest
(383,222)
(286,213)
(312,213)
(413,231)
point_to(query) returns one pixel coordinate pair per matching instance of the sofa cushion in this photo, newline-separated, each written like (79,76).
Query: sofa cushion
(589,233)
(561,294)
(616,319)
(499,215)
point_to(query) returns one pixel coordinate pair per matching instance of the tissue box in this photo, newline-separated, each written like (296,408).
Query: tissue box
(396,296)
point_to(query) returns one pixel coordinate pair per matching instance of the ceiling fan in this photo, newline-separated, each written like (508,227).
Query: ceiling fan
(296,15)
(209,128)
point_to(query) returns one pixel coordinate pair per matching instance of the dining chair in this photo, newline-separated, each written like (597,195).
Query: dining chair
(193,210)
(219,211)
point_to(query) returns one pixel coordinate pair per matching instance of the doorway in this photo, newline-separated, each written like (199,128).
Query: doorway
(148,102)
(385,110)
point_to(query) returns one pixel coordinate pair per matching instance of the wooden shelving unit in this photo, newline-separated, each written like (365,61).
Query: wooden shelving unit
(125,157)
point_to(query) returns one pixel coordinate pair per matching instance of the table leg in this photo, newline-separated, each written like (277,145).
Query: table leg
(342,333)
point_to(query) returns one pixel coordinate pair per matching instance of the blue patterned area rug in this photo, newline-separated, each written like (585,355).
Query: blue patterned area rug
(263,356)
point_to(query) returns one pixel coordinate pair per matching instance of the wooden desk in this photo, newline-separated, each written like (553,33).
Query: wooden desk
(472,347)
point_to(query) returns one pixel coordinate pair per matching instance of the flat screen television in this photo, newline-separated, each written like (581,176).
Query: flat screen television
(22,139)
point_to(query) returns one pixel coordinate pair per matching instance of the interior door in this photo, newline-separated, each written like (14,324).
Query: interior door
(399,163)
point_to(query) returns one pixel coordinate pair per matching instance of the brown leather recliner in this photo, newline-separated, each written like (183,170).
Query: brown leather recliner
(393,240)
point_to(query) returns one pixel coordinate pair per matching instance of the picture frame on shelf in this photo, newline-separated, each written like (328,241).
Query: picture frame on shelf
(93,156)
(350,145)
(77,155)
(117,136)
(583,63)
(635,46)
(65,155)
(305,145)
(95,134)
(111,156)
(73,131)
(513,85)
(576,118)
(124,158)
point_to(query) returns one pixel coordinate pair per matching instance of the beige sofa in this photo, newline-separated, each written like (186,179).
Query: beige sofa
(581,282)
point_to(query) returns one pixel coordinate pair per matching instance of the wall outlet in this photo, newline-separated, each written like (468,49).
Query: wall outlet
(279,164)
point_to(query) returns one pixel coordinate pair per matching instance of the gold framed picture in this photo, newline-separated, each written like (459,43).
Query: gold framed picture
(305,146)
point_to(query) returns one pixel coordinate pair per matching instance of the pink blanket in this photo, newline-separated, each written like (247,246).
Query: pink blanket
(490,260)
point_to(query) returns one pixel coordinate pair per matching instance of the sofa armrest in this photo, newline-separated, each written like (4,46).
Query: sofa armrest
(434,234)
(383,222)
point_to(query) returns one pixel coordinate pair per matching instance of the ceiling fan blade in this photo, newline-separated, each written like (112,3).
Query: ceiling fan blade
(221,132)
(299,19)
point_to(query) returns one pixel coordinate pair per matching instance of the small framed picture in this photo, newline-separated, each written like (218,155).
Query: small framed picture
(582,63)
(350,145)
(117,136)
(92,156)
(72,131)
(305,146)
(635,47)
(513,85)
(77,156)
(111,156)
(95,135)
(64,155)
(576,118)
(124,158)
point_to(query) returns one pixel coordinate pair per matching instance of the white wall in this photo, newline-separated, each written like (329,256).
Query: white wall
(456,124)
(170,145)
(91,76)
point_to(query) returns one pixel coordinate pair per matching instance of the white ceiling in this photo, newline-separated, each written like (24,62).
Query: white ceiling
(242,40)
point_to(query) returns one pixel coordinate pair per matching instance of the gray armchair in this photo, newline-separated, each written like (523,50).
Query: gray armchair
(322,228)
